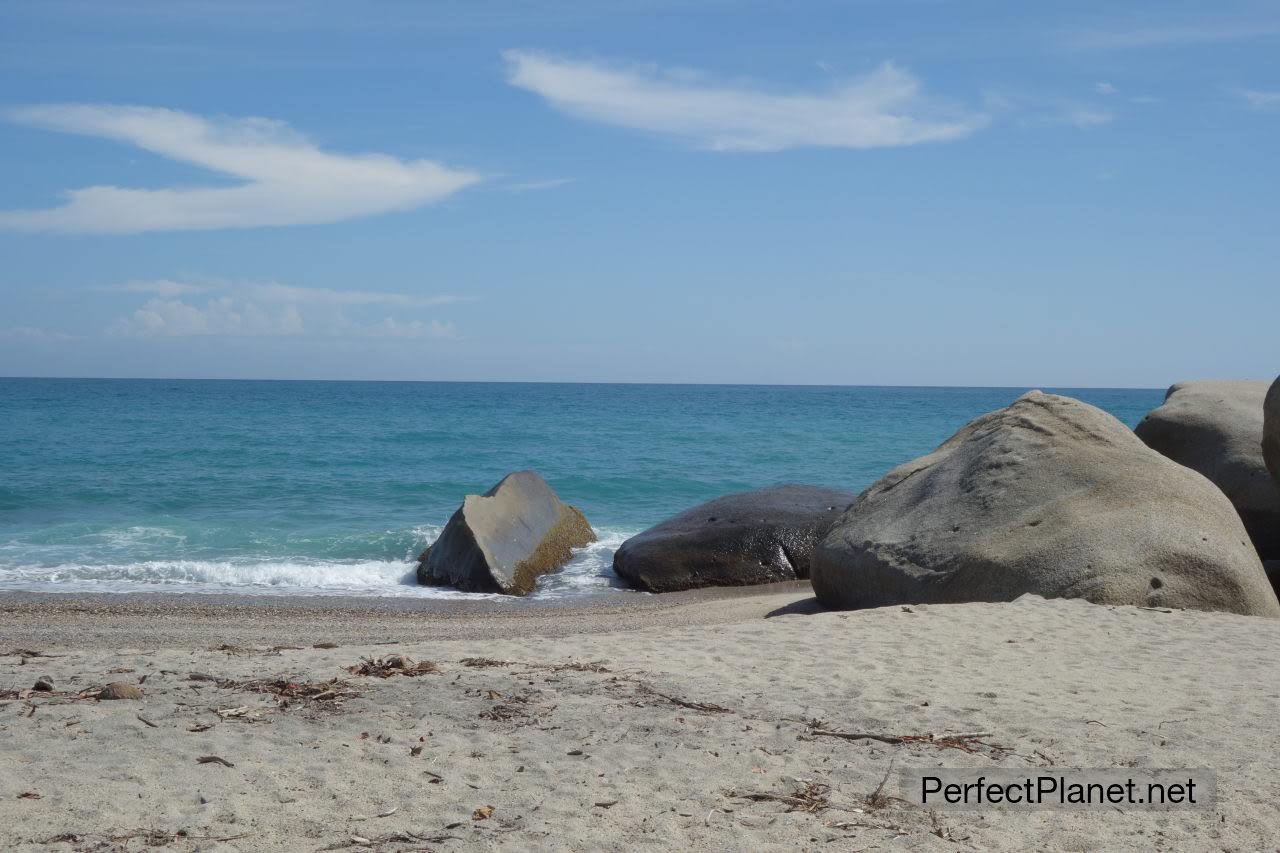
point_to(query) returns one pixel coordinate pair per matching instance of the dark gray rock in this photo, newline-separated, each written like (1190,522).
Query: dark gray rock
(1271,431)
(1048,496)
(503,540)
(747,538)
(1216,428)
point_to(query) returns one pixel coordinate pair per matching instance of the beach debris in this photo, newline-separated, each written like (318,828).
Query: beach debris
(233,649)
(878,799)
(963,741)
(243,712)
(482,813)
(214,759)
(325,644)
(201,676)
(393,664)
(703,707)
(393,838)
(29,795)
(809,796)
(605,804)
(201,727)
(119,690)
(44,684)
(480,663)
(147,722)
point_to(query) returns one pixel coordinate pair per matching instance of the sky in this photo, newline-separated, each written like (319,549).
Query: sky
(892,192)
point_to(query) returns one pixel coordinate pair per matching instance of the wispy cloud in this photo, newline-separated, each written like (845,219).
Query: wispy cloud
(287,179)
(1260,100)
(1124,36)
(1105,88)
(1085,117)
(880,109)
(271,309)
(530,186)
(159,286)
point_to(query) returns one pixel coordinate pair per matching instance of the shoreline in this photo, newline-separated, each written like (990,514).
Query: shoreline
(190,620)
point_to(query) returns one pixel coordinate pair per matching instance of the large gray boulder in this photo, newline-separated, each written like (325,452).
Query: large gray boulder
(503,540)
(1271,431)
(1216,428)
(746,538)
(1048,496)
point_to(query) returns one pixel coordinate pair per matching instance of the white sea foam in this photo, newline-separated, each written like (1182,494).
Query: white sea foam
(589,572)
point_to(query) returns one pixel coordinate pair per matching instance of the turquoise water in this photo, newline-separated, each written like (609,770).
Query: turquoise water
(334,487)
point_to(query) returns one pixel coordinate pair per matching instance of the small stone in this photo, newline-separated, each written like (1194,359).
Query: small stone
(120,690)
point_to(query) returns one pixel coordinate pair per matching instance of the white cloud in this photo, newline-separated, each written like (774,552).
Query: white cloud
(222,316)
(159,286)
(271,309)
(287,179)
(1260,100)
(881,109)
(1105,88)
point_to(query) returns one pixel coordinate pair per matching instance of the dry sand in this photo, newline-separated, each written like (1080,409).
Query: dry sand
(641,726)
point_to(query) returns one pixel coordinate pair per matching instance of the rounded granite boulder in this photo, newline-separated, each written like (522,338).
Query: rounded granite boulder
(755,537)
(1048,496)
(1216,428)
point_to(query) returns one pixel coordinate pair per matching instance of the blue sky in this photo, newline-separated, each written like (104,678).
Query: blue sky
(902,192)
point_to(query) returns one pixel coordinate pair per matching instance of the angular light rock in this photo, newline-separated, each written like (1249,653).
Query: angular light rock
(755,537)
(503,540)
(1216,428)
(1048,496)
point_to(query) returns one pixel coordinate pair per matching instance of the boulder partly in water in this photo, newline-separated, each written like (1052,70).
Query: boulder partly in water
(755,537)
(1048,496)
(503,540)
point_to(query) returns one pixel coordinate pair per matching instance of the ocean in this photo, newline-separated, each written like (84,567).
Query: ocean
(310,488)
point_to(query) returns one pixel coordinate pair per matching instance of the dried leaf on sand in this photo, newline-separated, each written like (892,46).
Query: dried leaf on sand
(385,667)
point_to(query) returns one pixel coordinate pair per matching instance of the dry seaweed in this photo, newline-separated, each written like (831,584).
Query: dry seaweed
(809,796)
(385,667)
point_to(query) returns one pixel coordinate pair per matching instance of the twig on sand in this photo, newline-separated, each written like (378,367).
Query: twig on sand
(809,797)
(286,690)
(878,799)
(963,741)
(704,707)
(214,759)
(147,722)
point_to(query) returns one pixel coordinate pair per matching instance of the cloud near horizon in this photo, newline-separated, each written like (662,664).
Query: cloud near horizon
(287,179)
(271,309)
(878,110)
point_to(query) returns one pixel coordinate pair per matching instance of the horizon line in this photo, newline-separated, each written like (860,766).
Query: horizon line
(1032,386)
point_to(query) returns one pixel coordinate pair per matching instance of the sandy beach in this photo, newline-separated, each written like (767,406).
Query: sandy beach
(669,722)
